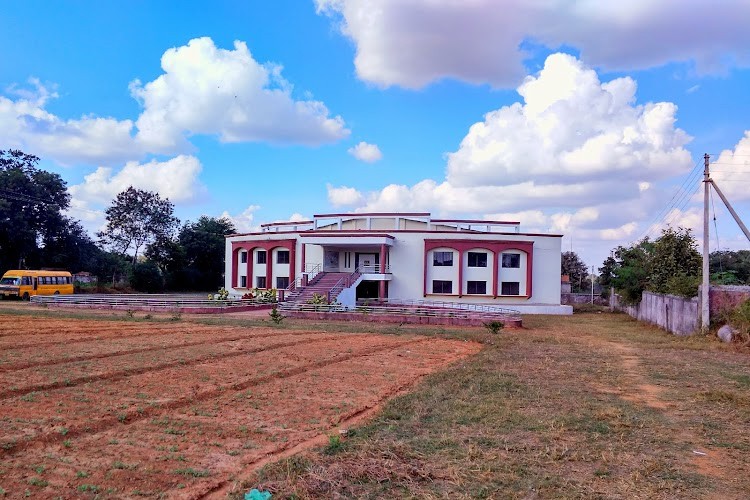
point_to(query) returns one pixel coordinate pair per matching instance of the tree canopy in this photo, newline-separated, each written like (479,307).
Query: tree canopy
(573,266)
(137,218)
(31,205)
(670,264)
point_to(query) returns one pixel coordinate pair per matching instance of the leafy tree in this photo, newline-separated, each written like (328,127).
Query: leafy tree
(146,277)
(675,263)
(573,266)
(204,242)
(631,272)
(137,218)
(730,267)
(670,264)
(31,205)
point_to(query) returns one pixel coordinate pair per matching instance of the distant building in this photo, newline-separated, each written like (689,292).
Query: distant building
(84,277)
(402,256)
(565,284)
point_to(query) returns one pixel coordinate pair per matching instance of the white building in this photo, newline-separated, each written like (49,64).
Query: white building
(402,256)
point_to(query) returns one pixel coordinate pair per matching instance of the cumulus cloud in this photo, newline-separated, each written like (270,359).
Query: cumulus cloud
(27,125)
(176,179)
(244,222)
(369,153)
(343,196)
(405,42)
(204,90)
(731,170)
(208,90)
(576,155)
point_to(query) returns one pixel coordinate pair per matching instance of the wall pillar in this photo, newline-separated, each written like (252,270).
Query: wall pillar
(303,263)
(292,263)
(496,274)
(460,272)
(382,258)
(269,268)
(381,291)
(235,267)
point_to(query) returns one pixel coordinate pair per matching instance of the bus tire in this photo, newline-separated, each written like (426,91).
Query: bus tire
(57,292)
(26,296)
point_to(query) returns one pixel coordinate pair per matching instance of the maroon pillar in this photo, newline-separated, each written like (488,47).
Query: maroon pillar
(292,262)
(269,268)
(496,258)
(235,272)
(460,272)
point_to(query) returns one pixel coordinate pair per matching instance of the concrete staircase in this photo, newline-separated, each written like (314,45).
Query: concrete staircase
(322,284)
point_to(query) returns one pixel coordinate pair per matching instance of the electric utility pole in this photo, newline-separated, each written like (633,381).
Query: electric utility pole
(705,318)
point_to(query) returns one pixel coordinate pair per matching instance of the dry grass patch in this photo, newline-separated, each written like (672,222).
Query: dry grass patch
(590,406)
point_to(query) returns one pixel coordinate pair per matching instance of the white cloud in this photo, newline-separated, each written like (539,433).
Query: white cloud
(27,125)
(369,153)
(203,90)
(731,170)
(414,42)
(176,179)
(207,90)
(576,156)
(343,196)
(245,221)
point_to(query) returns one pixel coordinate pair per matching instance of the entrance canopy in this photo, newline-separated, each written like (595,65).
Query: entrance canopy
(348,240)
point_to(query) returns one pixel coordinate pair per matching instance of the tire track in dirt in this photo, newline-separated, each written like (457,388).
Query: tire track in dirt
(78,341)
(114,376)
(85,357)
(140,414)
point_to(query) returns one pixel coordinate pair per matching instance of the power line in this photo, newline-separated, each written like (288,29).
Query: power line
(676,197)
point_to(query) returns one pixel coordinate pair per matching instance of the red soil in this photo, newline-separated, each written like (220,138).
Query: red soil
(127,409)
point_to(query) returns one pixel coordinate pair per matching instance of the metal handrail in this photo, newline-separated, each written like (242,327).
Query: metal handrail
(439,304)
(410,311)
(344,282)
(372,269)
(154,301)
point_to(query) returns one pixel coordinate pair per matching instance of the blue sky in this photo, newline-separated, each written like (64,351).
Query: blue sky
(584,119)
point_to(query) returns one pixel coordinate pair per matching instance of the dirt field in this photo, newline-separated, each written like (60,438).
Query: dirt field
(175,409)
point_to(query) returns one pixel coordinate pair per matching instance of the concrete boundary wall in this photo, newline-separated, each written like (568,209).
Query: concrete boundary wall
(675,314)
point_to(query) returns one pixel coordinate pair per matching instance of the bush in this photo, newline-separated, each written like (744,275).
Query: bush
(146,277)
(494,327)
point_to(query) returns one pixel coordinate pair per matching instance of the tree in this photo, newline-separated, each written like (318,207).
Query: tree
(573,266)
(730,267)
(670,264)
(204,242)
(137,218)
(675,263)
(630,275)
(31,205)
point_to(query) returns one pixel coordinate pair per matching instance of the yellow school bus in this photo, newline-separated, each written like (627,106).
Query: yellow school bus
(25,283)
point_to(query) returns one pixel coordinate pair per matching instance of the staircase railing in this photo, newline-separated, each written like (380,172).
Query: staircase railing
(372,269)
(344,282)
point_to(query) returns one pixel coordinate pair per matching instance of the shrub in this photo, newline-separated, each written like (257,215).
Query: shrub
(494,327)
(146,277)
(276,316)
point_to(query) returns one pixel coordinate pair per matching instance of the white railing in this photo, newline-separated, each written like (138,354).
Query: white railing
(151,301)
(373,269)
(439,304)
(344,282)
(407,310)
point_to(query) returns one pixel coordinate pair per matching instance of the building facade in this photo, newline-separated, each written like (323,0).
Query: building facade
(402,256)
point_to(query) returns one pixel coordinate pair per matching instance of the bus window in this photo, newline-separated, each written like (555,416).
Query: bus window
(26,280)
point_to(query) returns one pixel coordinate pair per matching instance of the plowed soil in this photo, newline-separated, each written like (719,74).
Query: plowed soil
(124,409)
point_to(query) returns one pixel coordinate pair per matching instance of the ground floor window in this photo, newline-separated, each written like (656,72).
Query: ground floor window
(282,283)
(260,282)
(476,287)
(442,286)
(510,288)
(243,281)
